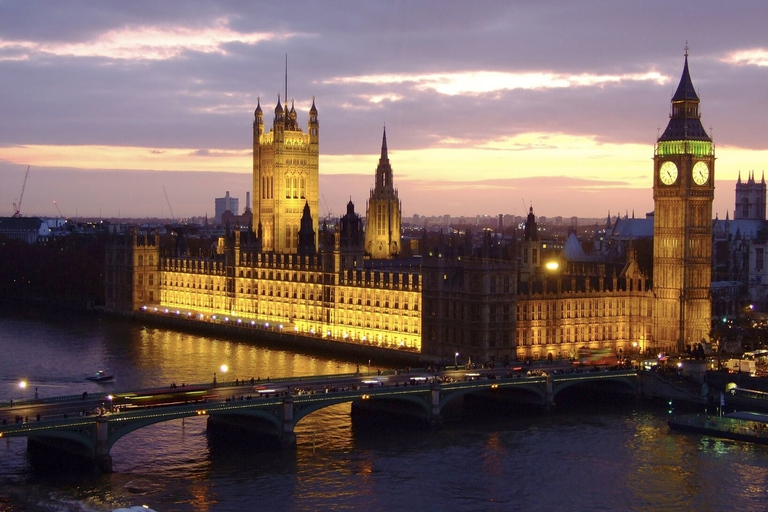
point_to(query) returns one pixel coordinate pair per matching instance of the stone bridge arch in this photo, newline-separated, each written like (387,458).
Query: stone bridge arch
(420,399)
(536,390)
(621,383)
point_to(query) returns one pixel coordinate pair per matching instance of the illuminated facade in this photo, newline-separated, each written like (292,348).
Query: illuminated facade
(501,300)
(588,305)
(285,177)
(306,295)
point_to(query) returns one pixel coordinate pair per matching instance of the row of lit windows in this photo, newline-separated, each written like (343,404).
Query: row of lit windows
(573,334)
(588,308)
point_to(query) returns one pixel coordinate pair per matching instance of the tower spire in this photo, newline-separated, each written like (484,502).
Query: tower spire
(685,120)
(384,155)
(286,78)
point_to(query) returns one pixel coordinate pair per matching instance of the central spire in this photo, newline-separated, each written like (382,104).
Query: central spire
(384,156)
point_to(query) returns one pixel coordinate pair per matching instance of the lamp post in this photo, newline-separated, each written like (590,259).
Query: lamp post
(456,360)
(634,349)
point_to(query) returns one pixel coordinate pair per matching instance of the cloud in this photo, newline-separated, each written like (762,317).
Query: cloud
(473,83)
(751,57)
(142,42)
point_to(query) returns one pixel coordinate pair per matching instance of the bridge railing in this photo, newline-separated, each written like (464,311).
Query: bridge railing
(103,396)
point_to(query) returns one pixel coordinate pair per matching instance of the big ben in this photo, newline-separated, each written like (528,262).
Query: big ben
(683,190)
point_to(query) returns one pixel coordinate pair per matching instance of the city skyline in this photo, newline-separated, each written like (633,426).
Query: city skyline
(490,107)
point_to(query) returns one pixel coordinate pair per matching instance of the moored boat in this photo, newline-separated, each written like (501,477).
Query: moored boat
(740,426)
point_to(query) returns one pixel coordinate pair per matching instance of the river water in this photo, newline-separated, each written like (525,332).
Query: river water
(620,457)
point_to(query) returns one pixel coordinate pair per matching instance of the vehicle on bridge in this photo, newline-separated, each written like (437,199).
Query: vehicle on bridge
(164,396)
(597,357)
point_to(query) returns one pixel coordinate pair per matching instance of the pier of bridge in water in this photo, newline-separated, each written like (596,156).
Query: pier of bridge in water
(85,427)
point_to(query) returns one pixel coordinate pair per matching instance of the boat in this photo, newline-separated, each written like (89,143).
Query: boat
(101,376)
(743,398)
(739,426)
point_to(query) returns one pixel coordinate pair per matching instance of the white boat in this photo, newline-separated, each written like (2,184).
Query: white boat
(101,376)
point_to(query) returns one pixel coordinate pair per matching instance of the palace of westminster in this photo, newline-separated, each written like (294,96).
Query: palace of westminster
(488,297)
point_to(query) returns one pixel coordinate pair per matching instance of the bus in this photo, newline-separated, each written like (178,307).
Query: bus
(749,362)
(758,356)
(163,396)
(597,357)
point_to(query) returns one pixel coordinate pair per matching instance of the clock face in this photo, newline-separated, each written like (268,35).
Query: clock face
(700,173)
(668,173)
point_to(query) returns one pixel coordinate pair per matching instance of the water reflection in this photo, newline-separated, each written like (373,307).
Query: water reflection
(583,459)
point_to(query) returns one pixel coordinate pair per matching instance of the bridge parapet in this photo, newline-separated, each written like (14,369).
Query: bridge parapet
(427,393)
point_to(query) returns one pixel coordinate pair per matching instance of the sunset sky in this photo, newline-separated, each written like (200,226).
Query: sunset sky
(489,106)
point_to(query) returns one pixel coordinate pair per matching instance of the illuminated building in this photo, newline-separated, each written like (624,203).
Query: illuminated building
(683,190)
(285,177)
(498,300)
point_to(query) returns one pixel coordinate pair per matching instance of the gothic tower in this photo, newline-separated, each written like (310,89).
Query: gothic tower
(285,177)
(750,199)
(383,212)
(683,190)
(530,249)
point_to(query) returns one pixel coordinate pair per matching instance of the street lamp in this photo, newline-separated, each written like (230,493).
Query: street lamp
(456,360)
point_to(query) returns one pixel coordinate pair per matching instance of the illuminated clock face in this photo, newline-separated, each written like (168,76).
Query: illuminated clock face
(668,173)
(700,173)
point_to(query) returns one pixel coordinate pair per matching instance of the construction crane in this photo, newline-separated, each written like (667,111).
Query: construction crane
(328,213)
(57,209)
(17,207)
(173,218)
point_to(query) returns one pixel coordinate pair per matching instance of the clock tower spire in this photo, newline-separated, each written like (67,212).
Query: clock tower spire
(683,191)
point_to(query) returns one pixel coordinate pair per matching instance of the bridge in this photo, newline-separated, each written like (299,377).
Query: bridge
(87,426)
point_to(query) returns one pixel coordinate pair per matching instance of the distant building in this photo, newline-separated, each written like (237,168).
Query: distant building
(226,204)
(26,229)
(750,199)
(233,219)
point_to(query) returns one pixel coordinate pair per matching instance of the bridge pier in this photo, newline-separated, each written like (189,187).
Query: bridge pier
(288,436)
(549,393)
(435,419)
(103,458)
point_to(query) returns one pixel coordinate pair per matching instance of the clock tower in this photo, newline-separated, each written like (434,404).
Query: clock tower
(683,190)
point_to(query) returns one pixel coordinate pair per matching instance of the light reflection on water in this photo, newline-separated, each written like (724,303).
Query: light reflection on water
(604,459)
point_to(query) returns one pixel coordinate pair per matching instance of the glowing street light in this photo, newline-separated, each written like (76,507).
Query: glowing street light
(456,359)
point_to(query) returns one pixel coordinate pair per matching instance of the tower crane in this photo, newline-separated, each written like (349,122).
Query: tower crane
(57,209)
(17,208)
(328,213)
(169,204)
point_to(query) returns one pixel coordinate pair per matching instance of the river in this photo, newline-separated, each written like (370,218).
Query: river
(587,458)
